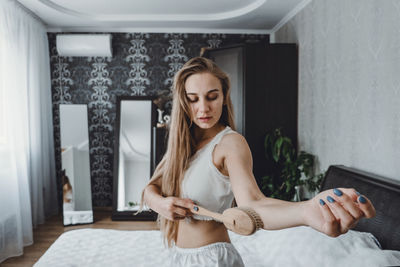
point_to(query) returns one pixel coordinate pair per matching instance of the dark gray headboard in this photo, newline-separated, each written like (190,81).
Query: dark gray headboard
(384,194)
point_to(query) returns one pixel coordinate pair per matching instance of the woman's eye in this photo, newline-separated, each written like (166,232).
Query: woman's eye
(191,99)
(213,97)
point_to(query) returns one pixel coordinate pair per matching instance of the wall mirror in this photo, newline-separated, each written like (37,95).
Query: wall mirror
(77,197)
(134,156)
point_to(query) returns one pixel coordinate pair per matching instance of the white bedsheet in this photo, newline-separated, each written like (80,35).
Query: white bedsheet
(299,246)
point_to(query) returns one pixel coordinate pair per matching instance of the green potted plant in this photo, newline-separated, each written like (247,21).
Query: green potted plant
(132,204)
(287,169)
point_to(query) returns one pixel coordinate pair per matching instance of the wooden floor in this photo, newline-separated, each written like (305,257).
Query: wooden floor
(45,234)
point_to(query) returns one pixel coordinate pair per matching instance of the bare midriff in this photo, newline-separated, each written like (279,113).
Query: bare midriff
(198,233)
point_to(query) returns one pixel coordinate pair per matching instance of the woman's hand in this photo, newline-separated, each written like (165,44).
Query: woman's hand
(172,208)
(175,208)
(335,211)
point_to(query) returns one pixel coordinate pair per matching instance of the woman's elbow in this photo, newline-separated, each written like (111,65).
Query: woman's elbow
(251,201)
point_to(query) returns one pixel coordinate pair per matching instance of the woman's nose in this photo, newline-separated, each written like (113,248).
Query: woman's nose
(204,106)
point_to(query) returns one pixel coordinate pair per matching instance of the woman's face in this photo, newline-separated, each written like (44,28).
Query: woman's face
(204,94)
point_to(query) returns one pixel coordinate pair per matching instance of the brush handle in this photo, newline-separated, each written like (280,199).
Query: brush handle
(205,212)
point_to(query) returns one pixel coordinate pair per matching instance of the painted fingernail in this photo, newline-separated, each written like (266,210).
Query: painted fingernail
(330,199)
(321,202)
(362,199)
(337,192)
(358,193)
(196,208)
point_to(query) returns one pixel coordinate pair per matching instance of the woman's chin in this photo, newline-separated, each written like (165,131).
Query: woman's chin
(205,125)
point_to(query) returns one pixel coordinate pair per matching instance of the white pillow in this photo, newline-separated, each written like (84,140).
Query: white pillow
(303,246)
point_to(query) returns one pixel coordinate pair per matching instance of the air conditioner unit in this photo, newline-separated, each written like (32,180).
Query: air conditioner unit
(84,45)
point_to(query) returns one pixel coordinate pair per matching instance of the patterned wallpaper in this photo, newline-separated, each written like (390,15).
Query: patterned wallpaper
(143,64)
(349,82)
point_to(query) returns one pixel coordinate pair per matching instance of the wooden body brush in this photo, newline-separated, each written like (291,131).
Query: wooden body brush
(243,220)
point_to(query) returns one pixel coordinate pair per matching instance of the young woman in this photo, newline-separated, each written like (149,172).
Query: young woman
(208,164)
(68,203)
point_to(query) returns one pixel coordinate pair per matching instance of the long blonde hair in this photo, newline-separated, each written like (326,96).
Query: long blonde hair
(181,143)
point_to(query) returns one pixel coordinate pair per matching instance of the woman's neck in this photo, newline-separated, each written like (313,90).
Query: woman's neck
(204,134)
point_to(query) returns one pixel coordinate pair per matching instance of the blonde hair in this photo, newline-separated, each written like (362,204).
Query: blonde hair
(180,146)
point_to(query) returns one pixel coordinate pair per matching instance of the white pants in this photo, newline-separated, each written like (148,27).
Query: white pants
(220,254)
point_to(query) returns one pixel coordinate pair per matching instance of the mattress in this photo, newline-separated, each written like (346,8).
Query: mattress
(298,246)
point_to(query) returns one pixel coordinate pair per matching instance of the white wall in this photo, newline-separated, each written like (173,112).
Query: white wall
(349,82)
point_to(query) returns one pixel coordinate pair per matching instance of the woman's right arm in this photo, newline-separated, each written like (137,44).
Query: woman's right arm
(172,208)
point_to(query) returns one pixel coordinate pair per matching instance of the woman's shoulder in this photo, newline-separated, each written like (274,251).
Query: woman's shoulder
(231,145)
(232,136)
(233,141)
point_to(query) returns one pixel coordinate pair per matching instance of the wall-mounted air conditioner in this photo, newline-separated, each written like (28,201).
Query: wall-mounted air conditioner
(84,45)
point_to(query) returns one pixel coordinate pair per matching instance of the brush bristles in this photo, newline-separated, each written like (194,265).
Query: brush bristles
(255,217)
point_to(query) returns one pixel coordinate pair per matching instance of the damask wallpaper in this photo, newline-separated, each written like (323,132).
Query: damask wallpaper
(349,82)
(143,64)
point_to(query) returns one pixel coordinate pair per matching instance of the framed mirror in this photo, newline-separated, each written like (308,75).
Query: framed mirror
(134,156)
(77,196)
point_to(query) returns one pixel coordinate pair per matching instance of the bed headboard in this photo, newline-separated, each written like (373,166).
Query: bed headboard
(384,194)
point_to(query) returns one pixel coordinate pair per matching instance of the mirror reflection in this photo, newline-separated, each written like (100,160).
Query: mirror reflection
(77,197)
(134,152)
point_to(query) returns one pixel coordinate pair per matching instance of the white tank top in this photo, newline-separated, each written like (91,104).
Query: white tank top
(204,183)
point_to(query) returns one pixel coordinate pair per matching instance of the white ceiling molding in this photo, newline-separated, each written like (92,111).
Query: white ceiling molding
(157,30)
(291,14)
(159,17)
(27,10)
(183,16)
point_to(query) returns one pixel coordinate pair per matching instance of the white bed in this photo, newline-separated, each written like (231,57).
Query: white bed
(299,246)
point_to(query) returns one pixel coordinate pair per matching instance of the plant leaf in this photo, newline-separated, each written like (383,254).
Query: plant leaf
(277,149)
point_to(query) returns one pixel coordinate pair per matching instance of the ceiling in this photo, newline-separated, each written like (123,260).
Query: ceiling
(222,16)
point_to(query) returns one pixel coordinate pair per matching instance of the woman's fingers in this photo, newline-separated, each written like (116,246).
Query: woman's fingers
(347,200)
(175,208)
(355,203)
(180,208)
(366,206)
(179,214)
(350,192)
(341,210)
(348,206)
(184,202)
(180,211)
(345,219)
(331,225)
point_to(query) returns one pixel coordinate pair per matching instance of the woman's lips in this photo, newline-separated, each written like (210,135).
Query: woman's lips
(205,119)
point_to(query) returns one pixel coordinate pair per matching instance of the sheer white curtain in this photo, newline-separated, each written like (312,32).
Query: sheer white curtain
(27,171)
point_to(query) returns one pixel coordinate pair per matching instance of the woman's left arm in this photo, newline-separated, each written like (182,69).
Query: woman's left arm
(331,212)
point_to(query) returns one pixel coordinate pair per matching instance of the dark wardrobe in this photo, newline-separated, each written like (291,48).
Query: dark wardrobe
(264,89)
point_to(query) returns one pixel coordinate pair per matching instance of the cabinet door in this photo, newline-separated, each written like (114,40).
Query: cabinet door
(263,92)
(230,60)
